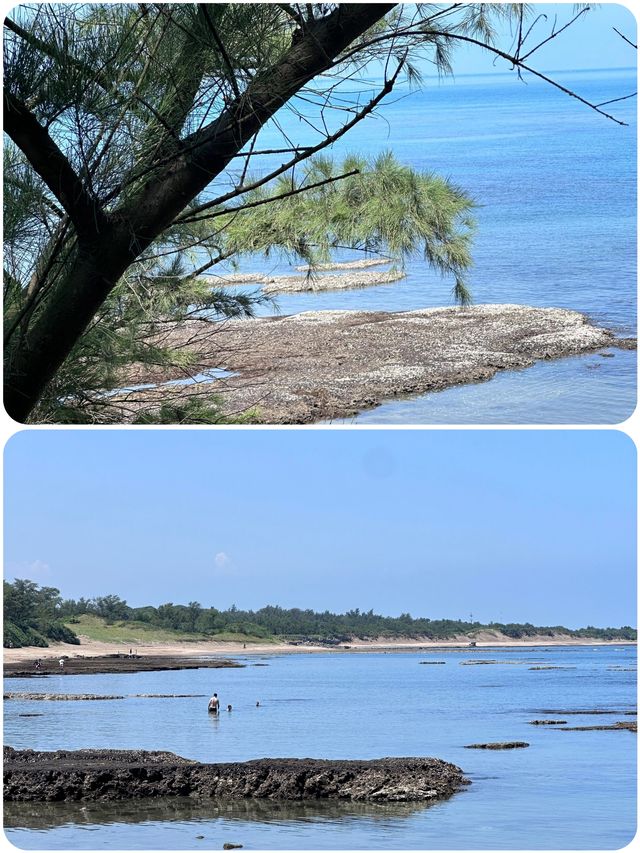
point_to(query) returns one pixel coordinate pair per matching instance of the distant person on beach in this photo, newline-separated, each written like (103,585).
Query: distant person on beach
(214,704)
(61,662)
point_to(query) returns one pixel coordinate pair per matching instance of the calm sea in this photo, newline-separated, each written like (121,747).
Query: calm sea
(556,189)
(568,790)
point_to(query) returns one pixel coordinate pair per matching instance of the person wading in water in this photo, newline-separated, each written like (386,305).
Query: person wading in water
(214,704)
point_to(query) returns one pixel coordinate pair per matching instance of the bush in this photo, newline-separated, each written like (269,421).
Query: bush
(16,638)
(61,633)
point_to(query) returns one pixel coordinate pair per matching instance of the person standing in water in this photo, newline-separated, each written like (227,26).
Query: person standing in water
(214,704)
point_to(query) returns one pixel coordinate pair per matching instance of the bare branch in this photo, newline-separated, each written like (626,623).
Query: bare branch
(555,34)
(624,38)
(299,157)
(221,48)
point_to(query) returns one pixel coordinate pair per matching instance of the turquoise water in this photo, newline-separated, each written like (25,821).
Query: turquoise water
(568,790)
(556,189)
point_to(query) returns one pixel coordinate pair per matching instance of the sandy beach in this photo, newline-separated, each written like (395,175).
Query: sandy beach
(93,648)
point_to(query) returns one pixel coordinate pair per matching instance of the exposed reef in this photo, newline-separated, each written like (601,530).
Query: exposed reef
(322,365)
(88,697)
(347,265)
(631,727)
(58,697)
(131,774)
(313,281)
(92,665)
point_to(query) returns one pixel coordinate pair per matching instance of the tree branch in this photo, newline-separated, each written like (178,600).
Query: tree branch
(302,154)
(223,52)
(161,199)
(53,167)
(272,198)
(553,35)
(624,38)
(519,64)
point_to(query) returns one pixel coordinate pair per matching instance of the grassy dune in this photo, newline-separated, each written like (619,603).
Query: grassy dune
(96,628)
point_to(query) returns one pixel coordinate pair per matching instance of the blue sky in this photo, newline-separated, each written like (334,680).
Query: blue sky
(508,525)
(590,43)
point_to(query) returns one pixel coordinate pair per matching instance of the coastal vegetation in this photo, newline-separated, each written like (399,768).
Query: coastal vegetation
(134,164)
(33,615)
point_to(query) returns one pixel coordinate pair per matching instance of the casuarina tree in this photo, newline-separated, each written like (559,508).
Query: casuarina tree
(134,164)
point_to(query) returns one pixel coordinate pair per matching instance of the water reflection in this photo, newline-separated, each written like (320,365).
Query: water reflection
(40,816)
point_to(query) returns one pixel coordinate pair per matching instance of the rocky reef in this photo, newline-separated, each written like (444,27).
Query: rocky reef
(102,775)
(322,365)
(113,663)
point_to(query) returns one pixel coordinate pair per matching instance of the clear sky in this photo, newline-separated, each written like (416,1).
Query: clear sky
(532,526)
(590,43)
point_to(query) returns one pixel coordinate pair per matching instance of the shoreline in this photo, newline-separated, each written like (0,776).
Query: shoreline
(195,650)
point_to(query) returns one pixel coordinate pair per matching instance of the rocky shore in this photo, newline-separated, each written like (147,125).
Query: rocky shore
(316,280)
(99,664)
(101,775)
(320,283)
(323,365)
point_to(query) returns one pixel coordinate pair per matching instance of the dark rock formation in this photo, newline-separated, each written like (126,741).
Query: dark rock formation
(432,662)
(587,711)
(126,774)
(631,727)
(547,722)
(510,744)
(79,665)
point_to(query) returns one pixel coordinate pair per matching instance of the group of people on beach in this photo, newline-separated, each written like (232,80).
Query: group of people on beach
(214,705)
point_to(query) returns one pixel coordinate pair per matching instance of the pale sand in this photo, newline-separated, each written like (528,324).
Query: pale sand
(92,648)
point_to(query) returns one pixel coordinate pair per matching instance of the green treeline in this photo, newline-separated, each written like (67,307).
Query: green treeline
(33,615)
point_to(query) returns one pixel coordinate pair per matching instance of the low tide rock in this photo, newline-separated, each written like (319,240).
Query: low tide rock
(511,744)
(100,775)
(322,365)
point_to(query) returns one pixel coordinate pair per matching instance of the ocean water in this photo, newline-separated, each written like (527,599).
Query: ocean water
(568,790)
(555,186)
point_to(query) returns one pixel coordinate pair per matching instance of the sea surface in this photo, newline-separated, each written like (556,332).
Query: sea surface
(555,185)
(567,790)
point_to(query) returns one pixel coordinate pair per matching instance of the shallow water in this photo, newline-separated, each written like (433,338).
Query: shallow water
(555,184)
(567,790)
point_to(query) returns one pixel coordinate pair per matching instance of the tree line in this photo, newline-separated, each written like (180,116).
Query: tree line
(33,615)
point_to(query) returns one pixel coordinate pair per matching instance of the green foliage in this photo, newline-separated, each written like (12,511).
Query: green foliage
(386,208)
(61,633)
(15,637)
(199,410)
(110,618)
(32,614)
